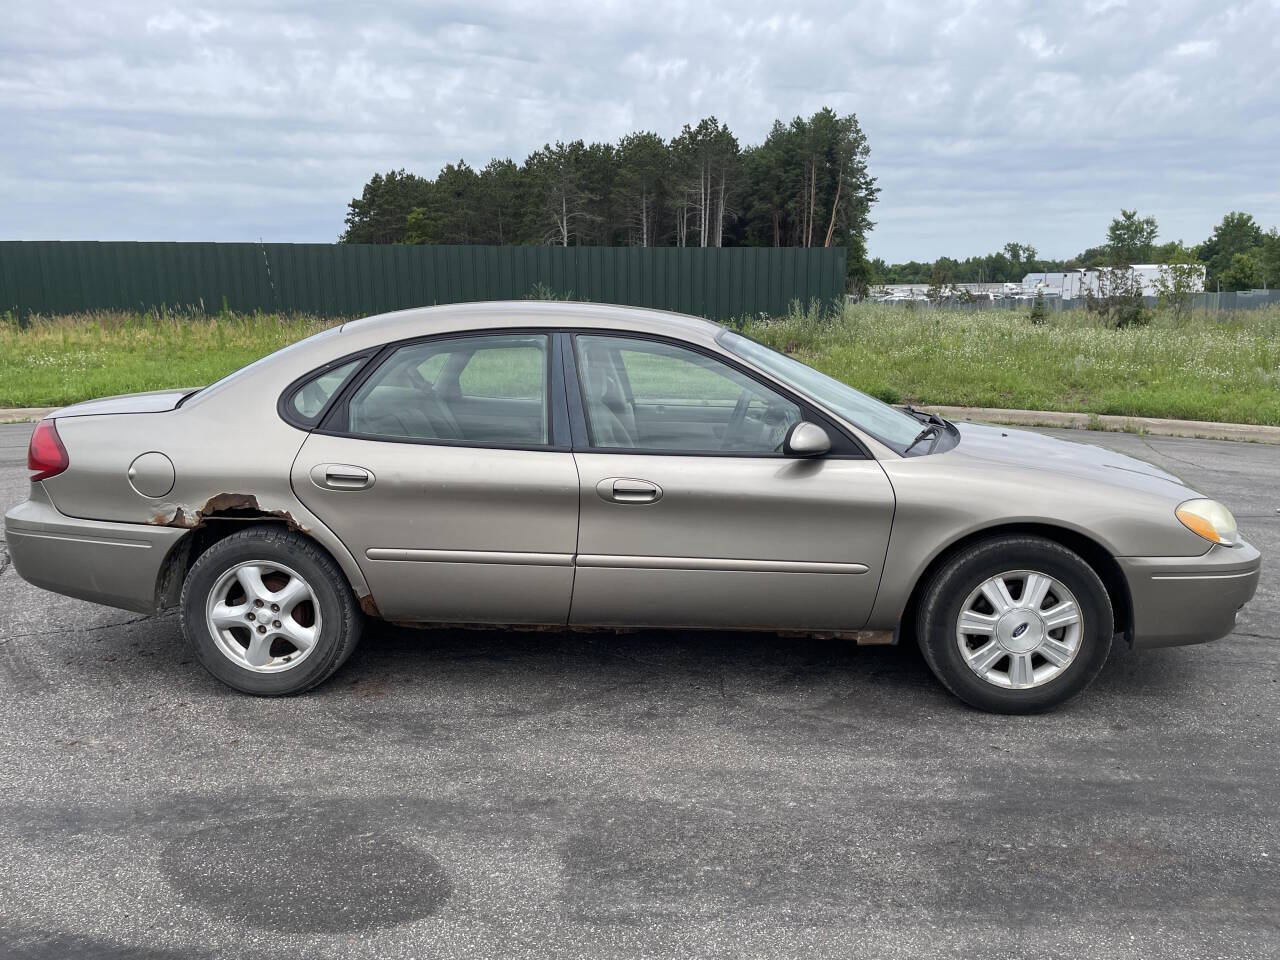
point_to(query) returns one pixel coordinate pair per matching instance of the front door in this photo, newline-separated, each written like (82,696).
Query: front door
(447,473)
(690,513)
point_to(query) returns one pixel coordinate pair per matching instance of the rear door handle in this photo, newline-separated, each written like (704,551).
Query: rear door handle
(341,476)
(627,490)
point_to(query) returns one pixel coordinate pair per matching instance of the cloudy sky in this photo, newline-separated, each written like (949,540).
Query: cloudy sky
(988,121)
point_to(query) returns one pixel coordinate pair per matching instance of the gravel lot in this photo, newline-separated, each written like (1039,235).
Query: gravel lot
(463,794)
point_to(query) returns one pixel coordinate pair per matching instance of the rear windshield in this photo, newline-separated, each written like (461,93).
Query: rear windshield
(230,379)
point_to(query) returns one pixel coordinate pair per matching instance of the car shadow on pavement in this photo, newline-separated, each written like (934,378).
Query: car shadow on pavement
(658,665)
(561,668)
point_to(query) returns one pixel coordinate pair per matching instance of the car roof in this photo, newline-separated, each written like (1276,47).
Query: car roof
(268,376)
(423,321)
(355,336)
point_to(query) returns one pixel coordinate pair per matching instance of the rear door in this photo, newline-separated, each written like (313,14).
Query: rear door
(447,472)
(690,513)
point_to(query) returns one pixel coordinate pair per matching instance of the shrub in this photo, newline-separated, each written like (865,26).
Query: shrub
(1118,300)
(1039,310)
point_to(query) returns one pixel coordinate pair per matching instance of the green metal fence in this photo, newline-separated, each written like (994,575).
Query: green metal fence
(50,277)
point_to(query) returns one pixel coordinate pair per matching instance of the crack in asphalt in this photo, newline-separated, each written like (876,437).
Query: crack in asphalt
(97,629)
(1169,456)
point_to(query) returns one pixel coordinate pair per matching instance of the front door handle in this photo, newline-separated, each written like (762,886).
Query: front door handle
(341,476)
(627,490)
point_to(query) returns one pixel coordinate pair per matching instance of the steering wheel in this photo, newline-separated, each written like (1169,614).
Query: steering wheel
(736,419)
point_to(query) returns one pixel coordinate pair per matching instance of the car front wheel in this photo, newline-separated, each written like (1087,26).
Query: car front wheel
(268,612)
(1015,624)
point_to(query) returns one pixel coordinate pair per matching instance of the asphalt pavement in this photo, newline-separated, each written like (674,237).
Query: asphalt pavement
(509,794)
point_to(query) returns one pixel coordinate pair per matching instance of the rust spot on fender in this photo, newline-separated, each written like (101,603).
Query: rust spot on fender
(370,606)
(224,502)
(222,506)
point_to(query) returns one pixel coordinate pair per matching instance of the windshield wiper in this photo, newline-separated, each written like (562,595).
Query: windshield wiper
(930,430)
(924,417)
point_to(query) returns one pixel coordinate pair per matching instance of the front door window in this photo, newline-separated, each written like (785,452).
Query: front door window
(656,397)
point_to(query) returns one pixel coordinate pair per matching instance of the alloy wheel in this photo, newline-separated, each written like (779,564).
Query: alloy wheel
(263,616)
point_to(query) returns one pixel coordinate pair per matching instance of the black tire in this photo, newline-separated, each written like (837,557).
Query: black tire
(945,595)
(340,618)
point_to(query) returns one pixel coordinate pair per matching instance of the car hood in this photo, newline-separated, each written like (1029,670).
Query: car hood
(157,401)
(1026,449)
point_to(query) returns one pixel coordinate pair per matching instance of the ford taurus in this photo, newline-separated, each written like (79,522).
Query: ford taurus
(580,465)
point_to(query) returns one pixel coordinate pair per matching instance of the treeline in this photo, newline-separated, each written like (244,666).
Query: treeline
(1009,265)
(806,185)
(1238,255)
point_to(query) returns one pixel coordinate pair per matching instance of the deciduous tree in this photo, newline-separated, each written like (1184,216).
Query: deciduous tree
(1238,233)
(1130,238)
(1180,278)
(1269,259)
(1243,273)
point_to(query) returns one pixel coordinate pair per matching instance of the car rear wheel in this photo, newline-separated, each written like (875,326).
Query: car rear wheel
(1015,624)
(268,612)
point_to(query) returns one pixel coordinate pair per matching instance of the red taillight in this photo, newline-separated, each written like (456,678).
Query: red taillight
(46,457)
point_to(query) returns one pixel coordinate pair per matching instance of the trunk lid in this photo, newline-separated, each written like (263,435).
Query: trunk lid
(156,401)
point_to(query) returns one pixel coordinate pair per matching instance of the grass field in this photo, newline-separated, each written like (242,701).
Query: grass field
(65,359)
(1201,369)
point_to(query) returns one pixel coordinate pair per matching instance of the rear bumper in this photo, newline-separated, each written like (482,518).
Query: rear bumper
(1181,600)
(116,564)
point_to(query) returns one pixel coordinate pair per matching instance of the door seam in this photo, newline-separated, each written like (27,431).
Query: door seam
(567,369)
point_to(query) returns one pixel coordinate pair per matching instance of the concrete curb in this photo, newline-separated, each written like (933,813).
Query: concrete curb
(23,414)
(1199,429)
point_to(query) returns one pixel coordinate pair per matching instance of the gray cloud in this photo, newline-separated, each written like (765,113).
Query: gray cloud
(988,121)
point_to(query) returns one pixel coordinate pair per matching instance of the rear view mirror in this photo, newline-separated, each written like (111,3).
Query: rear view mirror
(806,440)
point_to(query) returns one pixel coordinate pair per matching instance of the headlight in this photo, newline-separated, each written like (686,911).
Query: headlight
(1211,520)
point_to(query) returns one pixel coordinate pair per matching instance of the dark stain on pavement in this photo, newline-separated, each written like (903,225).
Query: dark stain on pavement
(270,861)
(315,869)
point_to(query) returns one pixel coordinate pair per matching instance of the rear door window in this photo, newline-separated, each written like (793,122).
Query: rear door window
(488,390)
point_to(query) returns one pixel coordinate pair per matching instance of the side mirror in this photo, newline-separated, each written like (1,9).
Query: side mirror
(806,440)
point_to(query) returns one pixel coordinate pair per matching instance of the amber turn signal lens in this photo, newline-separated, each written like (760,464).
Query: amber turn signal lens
(1211,520)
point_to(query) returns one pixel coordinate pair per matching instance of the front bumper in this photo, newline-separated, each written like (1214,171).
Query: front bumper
(117,564)
(1181,600)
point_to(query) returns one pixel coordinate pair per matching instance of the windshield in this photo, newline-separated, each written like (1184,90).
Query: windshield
(887,424)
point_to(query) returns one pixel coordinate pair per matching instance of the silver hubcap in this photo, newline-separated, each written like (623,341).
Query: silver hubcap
(263,616)
(1019,629)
